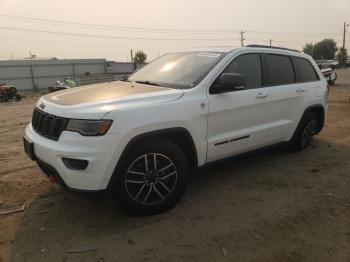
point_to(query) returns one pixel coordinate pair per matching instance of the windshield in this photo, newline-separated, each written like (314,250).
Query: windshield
(177,70)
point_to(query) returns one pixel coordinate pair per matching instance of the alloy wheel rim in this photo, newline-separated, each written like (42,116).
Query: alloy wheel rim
(151,179)
(307,134)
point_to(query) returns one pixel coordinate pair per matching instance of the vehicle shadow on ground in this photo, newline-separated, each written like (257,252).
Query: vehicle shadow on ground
(233,193)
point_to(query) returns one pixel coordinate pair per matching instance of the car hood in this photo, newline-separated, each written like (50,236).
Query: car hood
(94,101)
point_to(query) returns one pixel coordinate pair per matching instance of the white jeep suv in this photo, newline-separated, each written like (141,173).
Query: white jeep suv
(145,135)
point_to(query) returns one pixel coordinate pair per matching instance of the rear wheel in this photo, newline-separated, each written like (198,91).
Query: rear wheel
(304,134)
(153,178)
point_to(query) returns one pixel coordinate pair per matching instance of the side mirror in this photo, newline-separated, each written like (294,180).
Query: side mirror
(229,82)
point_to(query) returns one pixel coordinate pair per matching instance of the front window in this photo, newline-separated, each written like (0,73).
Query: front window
(177,70)
(249,66)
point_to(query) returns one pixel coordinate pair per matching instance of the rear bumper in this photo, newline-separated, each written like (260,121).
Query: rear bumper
(101,152)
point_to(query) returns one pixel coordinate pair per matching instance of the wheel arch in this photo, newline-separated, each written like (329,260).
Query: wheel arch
(178,135)
(320,112)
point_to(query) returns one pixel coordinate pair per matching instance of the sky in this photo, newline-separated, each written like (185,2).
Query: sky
(110,28)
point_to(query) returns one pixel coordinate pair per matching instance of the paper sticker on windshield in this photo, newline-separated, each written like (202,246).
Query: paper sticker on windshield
(212,55)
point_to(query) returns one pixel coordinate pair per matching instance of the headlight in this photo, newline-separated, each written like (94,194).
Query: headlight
(89,127)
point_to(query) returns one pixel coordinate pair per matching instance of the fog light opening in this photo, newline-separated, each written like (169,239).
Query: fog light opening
(75,164)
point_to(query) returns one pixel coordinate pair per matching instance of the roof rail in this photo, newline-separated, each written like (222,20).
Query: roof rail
(273,47)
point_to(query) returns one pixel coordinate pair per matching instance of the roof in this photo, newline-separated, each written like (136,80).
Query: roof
(273,47)
(228,49)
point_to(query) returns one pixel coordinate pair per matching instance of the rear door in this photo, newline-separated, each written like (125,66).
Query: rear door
(289,96)
(306,75)
(238,120)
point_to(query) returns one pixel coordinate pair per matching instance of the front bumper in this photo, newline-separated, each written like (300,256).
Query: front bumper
(102,152)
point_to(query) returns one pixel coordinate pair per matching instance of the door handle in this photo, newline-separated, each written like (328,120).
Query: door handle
(261,95)
(301,89)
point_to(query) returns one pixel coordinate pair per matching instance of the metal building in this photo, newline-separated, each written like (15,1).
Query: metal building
(38,74)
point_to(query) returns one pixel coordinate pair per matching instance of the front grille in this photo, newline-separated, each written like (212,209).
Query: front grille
(48,125)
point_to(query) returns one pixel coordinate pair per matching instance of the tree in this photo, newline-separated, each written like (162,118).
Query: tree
(308,48)
(342,56)
(140,57)
(325,49)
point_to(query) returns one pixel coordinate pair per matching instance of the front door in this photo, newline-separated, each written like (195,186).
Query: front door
(238,121)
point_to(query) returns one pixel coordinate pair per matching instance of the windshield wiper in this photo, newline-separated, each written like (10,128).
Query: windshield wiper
(148,83)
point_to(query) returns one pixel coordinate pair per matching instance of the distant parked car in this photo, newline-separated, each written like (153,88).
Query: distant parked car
(327,63)
(8,92)
(328,72)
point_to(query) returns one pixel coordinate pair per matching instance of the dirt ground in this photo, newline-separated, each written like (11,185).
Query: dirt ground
(267,206)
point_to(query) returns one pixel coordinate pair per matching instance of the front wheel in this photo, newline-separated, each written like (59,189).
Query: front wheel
(153,178)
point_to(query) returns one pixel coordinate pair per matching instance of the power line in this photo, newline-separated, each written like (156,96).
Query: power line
(52,21)
(112,36)
(63,22)
(294,33)
(150,38)
(276,40)
(145,29)
(50,43)
(147,38)
(69,43)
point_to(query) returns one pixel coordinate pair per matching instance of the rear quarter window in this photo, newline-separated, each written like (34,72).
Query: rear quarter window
(279,70)
(305,72)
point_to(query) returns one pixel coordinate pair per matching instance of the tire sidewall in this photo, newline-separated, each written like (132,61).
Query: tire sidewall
(296,142)
(160,146)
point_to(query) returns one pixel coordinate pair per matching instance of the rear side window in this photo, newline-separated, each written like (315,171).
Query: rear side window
(279,70)
(305,71)
(249,66)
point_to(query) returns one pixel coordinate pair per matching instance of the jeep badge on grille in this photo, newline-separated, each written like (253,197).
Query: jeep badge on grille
(42,106)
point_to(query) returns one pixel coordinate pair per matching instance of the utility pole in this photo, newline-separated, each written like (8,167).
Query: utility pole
(344,35)
(131,56)
(242,38)
(270,42)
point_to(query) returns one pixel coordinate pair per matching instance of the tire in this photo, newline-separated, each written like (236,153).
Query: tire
(18,98)
(304,133)
(159,189)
